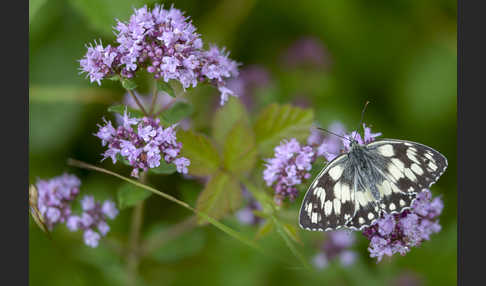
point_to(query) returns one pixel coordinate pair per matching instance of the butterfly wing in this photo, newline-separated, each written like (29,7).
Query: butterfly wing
(406,168)
(329,201)
(411,166)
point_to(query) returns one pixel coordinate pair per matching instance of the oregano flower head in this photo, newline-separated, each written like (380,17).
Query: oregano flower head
(143,143)
(397,233)
(164,43)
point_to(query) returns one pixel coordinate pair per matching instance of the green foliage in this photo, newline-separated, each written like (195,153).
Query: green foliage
(164,168)
(239,153)
(278,122)
(34,6)
(128,84)
(129,195)
(165,87)
(176,113)
(225,118)
(221,195)
(205,159)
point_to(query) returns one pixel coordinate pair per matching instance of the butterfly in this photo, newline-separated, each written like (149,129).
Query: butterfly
(357,187)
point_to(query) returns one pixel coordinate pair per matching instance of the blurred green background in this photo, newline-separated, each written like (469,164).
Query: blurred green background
(398,54)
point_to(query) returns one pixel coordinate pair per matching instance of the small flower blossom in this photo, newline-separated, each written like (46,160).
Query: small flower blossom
(165,43)
(397,233)
(55,197)
(98,62)
(288,168)
(143,143)
(93,219)
(336,247)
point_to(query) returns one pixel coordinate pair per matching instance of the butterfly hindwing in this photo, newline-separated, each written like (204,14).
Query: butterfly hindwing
(328,203)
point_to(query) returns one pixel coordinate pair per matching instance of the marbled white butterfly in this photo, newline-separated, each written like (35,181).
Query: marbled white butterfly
(355,188)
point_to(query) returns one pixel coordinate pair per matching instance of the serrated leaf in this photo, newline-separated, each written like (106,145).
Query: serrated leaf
(164,169)
(225,118)
(221,196)
(278,122)
(120,109)
(240,153)
(129,195)
(128,84)
(205,159)
(165,87)
(264,229)
(177,112)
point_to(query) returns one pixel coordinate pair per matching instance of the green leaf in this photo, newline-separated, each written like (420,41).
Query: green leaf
(283,233)
(164,168)
(185,245)
(129,195)
(128,84)
(120,109)
(277,122)
(265,229)
(221,196)
(177,112)
(166,87)
(226,117)
(240,153)
(198,148)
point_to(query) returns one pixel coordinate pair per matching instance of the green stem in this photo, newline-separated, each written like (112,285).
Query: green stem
(140,105)
(154,98)
(211,220)
(133,257)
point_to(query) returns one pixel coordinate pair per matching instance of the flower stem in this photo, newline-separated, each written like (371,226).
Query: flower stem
(133,257)
(138,102)
(154,99)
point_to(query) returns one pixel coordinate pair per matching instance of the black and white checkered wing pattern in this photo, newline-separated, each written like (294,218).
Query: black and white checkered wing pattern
(411,166)
(407,168)
(329,201)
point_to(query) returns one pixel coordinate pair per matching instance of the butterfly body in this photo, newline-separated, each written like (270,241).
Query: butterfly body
(357,187)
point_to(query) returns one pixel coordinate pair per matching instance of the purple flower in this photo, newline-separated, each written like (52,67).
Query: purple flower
(143,143)
(91,238)
(98,62)
(93,219)
(165,43)
(288,168)
(55,197)
(336,246)
(327,145)
(368,137)
(397,233)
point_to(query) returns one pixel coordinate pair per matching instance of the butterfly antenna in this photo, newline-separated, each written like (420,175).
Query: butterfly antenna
(361,121)
(340,136)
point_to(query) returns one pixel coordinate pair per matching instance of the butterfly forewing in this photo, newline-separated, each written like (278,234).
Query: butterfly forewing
(415,166)
(329,201)
(356,188)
